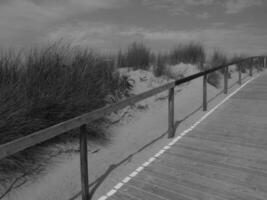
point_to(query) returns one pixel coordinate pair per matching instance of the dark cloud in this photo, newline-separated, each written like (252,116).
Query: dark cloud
(27,22)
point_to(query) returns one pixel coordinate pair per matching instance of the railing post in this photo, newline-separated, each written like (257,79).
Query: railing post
(259,64)
(251,67)
(84,163)
(240,74)
(264,64)
(205,92)
(171,113)
(226,80)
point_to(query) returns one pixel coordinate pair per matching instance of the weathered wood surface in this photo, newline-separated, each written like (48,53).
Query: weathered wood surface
(223,158)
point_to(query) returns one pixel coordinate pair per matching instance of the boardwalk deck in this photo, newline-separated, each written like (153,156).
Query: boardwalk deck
(224,157)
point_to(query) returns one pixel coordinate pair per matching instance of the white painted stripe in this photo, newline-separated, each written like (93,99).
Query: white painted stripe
(118,186)
(145,164)
(150,160)
(171,143)
(162,151)
(183,134)
(133,174)
(177,138)
(125,180)
(157,155)
(111,192)
(139,169)
(103,198)
(166,147)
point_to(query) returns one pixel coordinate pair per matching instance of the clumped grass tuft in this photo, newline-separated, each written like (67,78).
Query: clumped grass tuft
(137,56)
(188,53)
(217,58)
(159,68)
(192,53)
(49,85)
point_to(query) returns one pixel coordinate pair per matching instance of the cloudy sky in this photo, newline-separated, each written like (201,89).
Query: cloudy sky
(232,25)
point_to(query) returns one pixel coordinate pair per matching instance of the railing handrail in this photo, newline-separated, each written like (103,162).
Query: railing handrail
(40,136)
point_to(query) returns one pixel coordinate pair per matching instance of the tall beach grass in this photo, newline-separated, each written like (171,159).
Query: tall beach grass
(48,85)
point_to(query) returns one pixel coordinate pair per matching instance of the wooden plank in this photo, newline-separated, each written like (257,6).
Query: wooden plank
(159,191)
(183,190)
(252,96)
(184,168)
(232,140)
(139,193)
(257,121)
(221,148)
(210,162)
(122,196)
(254,132)
(212,156)
(208,179)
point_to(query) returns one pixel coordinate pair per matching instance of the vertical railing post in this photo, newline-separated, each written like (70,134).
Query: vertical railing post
(265,62)
(205,92)
(259,64)
(251,68)
(84,163)
(240,74)
(262,63)
(225,80)
(171,113)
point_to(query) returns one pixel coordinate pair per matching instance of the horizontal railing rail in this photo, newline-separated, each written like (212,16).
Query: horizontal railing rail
(38,137)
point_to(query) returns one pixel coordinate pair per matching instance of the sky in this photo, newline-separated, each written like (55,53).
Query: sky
(234,26)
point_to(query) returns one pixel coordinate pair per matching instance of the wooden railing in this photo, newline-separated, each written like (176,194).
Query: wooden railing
(38,137)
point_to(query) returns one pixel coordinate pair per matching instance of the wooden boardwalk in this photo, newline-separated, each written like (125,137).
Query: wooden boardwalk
(223,158)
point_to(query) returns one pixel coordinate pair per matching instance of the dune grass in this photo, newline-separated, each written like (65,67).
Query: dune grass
(216,59)
(187,53)
(48,85)
(137,56)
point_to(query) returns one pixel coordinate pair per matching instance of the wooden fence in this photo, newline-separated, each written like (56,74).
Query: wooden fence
(80,122)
